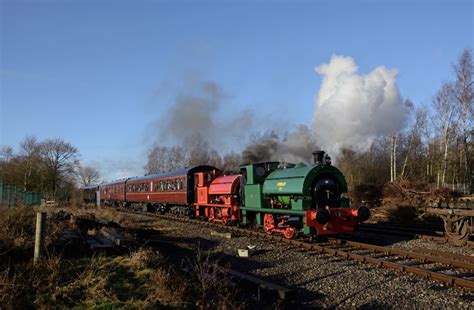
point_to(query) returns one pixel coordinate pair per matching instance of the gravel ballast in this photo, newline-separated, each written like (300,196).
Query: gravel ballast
(324,281)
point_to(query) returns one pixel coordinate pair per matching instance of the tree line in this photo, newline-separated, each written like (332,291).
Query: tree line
(51,167)
(436,147)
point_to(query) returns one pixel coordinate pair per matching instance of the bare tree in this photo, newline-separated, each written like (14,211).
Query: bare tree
(176,158)
(6,153)
(393,158)
(87,175)
(464,94)
(60,160)
(30,151)
(445,122)
(156,162)
(215,159)
(415,139)
(231,162)
(197,150)
(162,158)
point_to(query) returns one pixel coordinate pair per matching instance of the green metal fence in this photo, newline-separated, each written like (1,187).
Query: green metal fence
(12,196)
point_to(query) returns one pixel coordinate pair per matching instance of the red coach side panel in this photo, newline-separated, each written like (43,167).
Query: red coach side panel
(114,191)
(164,190)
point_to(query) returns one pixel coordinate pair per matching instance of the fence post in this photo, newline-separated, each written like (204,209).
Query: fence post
(97,199)
(40,235)
(1,194)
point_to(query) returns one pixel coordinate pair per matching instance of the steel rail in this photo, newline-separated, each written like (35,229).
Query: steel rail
(400,229)
(417,233)
(458,257)
(424,258)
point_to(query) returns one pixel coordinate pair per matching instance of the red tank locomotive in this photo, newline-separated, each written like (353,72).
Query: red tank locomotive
(217,197)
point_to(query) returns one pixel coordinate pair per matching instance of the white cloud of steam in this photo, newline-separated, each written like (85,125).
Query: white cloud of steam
(352,110)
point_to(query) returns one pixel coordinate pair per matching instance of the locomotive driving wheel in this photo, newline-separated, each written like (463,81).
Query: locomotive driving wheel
(268,223)
(457,229)
(289,233)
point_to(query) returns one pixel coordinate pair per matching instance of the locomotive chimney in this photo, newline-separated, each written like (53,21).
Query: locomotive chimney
(318,157)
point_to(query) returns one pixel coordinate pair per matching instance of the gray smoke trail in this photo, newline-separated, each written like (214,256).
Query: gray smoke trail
(198,109)
(353,110)
(297,146)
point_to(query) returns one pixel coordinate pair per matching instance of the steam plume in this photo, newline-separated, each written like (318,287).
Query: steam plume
(352,110)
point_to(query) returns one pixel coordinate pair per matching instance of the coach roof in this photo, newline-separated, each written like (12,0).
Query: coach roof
(113,182)
(172,173)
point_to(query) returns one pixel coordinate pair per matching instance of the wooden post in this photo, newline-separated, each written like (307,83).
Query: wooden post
(40,235)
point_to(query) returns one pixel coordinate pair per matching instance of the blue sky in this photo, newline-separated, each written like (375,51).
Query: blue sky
(98,73)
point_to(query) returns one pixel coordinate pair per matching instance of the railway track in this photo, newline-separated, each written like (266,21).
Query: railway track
(432,230)
(431,233)
(439,266)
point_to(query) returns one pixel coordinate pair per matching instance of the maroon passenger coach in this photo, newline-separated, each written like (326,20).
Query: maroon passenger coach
(113,193)
(170,188)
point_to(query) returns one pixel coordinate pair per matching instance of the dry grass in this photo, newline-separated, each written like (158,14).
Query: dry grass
(143,279)
(97,282)
(17,226)
(213,289)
